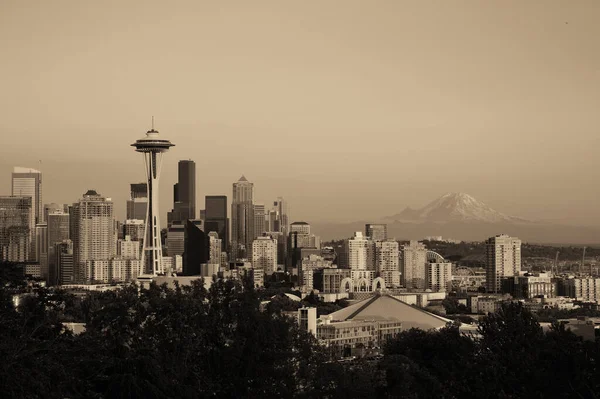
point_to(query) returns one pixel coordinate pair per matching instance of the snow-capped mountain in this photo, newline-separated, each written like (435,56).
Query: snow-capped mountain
(455,207)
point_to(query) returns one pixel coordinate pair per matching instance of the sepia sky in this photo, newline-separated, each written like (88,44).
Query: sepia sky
(349,109)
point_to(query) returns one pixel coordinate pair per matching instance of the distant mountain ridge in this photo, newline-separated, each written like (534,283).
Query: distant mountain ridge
(462,217)
(455,207)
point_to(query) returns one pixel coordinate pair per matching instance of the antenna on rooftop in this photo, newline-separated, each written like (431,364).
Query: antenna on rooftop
(152,122)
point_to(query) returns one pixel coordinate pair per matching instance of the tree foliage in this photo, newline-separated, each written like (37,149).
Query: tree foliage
(190,342)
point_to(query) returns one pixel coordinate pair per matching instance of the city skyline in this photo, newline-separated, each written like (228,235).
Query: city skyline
(418,111)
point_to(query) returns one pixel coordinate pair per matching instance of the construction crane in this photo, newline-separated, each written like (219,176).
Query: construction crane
(556,262)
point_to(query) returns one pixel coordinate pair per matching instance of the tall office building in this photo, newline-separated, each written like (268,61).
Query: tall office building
(197,248)
(503,259)
(15,228)
(93,235)
(152,147)
(281,207)
(58,231)
(27,182)
(41,248)
(63,251)
(242,219)
(264,254)
(137,204)
(259,220)
(376,232)
(413,266)
(52,207)
(215,248)
(184,194)
(176,240)
(387,262)
(215,218)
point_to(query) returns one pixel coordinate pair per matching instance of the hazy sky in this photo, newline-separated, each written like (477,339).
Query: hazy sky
(350,109)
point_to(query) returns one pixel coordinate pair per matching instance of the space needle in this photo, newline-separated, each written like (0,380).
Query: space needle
(152,147)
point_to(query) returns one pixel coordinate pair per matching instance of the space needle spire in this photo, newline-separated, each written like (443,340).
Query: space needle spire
(152,147)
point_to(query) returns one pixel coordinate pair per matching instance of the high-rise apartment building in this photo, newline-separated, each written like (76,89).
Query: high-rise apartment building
(27,182)
(94,234)
(215,218)
(58,231)
(184,194)
(414,259)
(15,229)
(357,251)
(196,248)
(264,254)
(387,262)
(128,249)
(438,277)
(503,259)
(376,232)
(242,219)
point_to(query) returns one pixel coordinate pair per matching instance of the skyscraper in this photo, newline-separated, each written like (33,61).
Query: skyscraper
(15,229)
(259,219)
(41,248)
(197,248)
(63,252)
(27,182)
(357,249)
(137,205)
(503,259)
(386,260)
(264,254)
(152,147)
(376,232)
(215,248)
(93,235)
(58,231)
(242,219)
(413,267)
(216,218)
(184,193)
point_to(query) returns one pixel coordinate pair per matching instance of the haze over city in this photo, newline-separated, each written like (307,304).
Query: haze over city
(349,111)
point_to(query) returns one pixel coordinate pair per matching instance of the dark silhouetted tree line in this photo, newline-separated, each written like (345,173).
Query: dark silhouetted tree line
(189,342)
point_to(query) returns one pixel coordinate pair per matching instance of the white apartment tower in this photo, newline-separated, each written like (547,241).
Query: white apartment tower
(503,259)
(264,254)
(387,263)
(93,234)
(357,252)
(439,276)
(414,258)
